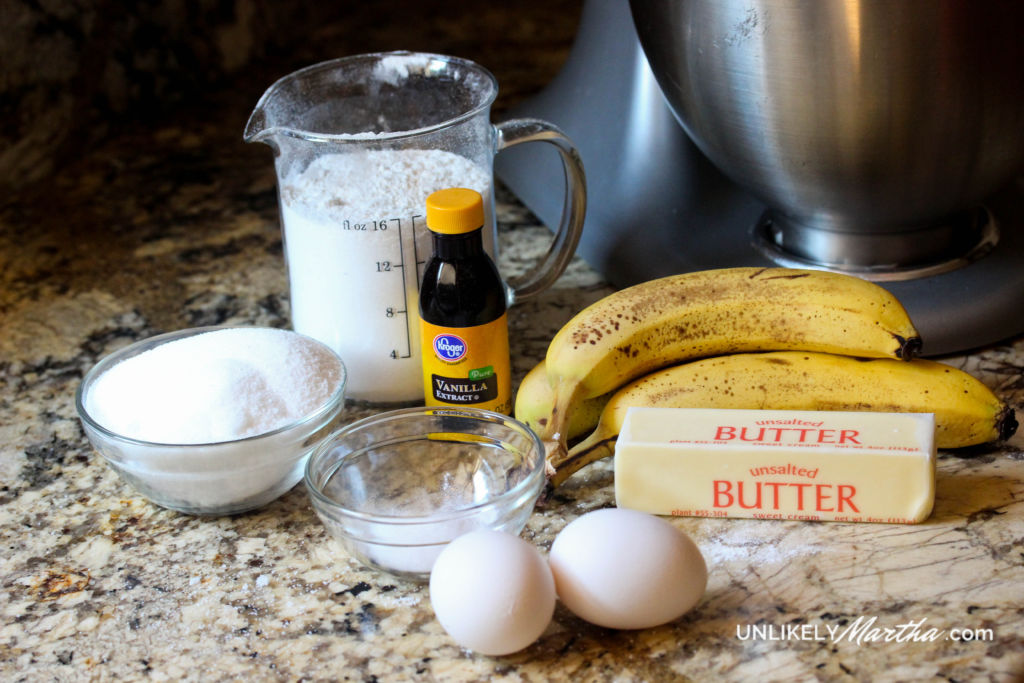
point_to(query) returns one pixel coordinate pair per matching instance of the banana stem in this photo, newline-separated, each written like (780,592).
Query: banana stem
(553,452)
(1006,423)
(909,347)
(597,446)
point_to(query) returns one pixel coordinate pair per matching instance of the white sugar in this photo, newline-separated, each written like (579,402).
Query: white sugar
(217,386)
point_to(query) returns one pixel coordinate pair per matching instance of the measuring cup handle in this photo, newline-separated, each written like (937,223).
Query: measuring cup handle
(570,227)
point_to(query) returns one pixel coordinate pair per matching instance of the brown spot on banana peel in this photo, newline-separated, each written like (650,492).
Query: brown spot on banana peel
(792,276)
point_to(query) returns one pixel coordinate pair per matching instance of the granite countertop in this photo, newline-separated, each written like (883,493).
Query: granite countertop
(175,226)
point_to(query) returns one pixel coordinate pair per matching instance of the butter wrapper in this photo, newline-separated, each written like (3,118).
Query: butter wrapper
(777,464)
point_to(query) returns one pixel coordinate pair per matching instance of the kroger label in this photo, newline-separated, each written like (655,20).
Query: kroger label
(449,347)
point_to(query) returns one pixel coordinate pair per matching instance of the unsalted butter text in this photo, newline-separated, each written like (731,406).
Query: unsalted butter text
(776,495)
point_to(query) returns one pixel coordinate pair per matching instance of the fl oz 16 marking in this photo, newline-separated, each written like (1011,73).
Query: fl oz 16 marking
(370,226)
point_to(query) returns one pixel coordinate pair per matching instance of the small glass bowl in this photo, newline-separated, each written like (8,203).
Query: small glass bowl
(396,487)
(209,479)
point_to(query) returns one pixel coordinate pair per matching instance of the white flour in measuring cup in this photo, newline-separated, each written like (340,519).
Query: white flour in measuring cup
(355,242)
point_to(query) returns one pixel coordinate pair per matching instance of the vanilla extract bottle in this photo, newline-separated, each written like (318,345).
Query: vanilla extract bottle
(463,319)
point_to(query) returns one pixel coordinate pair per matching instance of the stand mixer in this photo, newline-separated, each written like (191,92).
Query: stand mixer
(883,139)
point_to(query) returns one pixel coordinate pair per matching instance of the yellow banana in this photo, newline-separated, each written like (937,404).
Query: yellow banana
(535,399)
(966,411)
(707,313)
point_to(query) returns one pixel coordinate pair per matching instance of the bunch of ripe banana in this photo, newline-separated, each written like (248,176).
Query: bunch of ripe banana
(772,338)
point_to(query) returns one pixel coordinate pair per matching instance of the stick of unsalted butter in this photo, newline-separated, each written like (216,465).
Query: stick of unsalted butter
(777,464)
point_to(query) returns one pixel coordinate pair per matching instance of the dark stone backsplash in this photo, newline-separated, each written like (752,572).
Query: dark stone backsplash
(73,72)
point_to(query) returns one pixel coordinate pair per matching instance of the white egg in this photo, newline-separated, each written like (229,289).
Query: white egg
(626,569)
(492,592)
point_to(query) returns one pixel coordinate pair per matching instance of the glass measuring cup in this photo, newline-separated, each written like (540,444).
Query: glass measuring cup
(359,142)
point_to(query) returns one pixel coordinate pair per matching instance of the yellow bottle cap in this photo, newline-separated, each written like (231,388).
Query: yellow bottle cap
(455,211)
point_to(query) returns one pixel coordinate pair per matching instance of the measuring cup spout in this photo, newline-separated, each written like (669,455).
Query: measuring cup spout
(257,129)
(270,118)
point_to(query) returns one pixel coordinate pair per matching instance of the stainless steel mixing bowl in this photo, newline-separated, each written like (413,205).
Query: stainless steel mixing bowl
(872,127)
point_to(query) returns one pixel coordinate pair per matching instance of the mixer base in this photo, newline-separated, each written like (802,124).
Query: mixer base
(656,206)
(948,245)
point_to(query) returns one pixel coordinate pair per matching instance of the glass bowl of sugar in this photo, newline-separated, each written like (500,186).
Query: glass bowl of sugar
(395,488)
(213,420)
